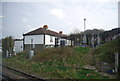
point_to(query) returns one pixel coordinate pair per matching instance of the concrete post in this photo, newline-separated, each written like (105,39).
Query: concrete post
(116,62)
(92,40)
(98,39)
(7,54)
(31,54)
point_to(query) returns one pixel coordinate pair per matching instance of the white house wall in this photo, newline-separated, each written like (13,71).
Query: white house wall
(68,43)
(47,40)
(37,39)
(18,46)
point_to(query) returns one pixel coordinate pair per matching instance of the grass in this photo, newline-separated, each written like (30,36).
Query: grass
(55,63)
(82,50)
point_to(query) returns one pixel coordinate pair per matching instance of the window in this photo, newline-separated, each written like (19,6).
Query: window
(31,44)
(31,40)
(51,39)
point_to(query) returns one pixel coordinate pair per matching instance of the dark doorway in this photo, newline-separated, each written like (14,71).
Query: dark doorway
(56,42)
(62,43)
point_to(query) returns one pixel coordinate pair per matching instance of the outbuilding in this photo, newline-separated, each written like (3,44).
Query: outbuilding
(18,45)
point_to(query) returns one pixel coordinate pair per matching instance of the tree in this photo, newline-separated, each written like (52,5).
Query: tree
(8,44)
(75,31)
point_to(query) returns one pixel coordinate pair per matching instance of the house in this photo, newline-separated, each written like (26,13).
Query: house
(18,45)
(44,38)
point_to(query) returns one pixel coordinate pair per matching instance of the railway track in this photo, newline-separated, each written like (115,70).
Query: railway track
(25,76)
(6,78)
(19,74)
(3,79)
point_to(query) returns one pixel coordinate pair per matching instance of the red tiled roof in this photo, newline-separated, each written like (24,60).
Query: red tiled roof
(45,31)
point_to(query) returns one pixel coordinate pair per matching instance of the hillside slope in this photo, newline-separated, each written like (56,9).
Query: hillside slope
(56,63)
(106,51)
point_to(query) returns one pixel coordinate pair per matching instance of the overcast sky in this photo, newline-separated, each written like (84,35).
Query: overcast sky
(22,17)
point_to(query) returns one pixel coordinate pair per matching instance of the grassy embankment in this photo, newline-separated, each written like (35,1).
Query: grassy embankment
(106,52)
(56,63)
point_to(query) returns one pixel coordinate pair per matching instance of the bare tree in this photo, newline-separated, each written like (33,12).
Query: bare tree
(75,31)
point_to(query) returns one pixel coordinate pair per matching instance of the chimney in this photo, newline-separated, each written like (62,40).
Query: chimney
(60,32)
(45,26)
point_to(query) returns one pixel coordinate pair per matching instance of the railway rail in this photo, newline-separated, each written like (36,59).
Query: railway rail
(6,78)
(26,76)
(3,79)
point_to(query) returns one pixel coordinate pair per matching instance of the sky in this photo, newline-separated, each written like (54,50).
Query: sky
(119,14)
(22,16)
